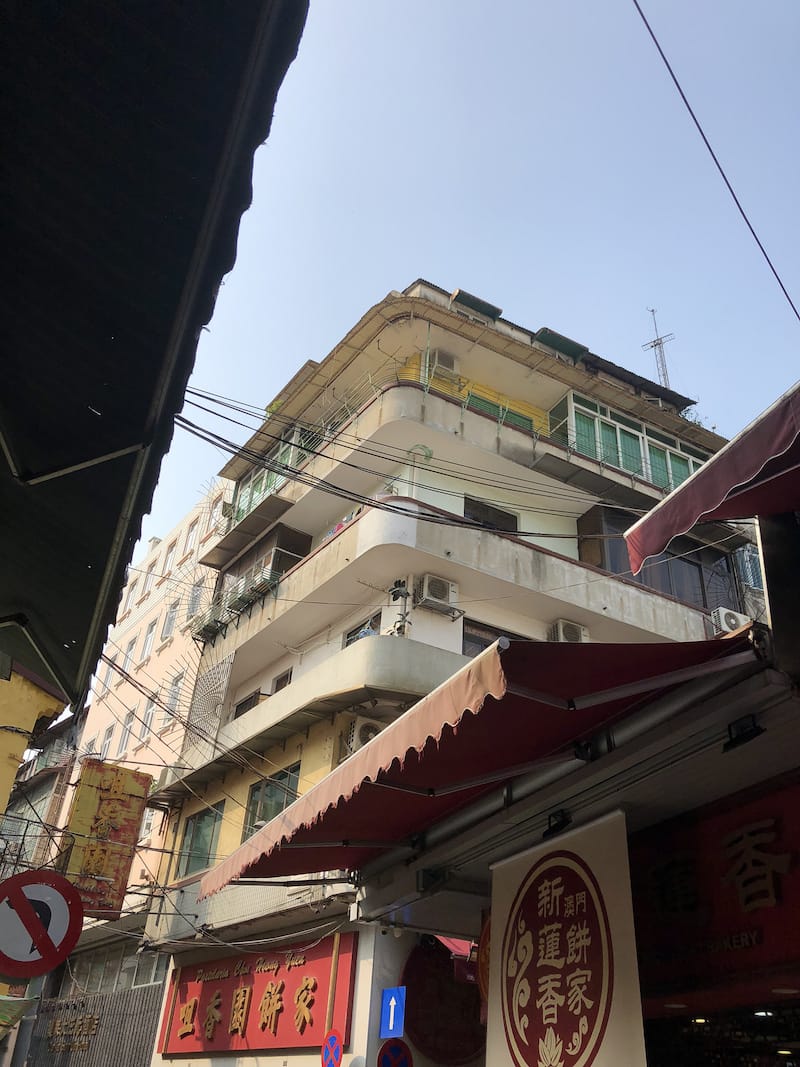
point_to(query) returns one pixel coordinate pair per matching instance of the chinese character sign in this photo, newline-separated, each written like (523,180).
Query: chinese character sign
(565,970)
(105,818)
(558,974)
(261,1002)
(715,892)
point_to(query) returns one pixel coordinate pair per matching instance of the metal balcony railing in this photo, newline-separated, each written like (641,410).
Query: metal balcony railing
(28,844)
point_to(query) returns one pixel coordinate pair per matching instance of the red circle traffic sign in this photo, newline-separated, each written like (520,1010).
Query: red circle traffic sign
(41,916)
(332,1049)
(395,1053)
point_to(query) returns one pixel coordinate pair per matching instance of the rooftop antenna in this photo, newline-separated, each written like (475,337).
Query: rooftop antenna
(658,347)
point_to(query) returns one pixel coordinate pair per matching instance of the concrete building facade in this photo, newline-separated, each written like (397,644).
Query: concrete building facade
(442,479)
(136,719)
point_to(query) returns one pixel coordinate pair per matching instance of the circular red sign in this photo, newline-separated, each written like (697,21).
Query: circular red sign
(557,966)
(41,916)
(332,1049)
(443,1015)
(395,1053)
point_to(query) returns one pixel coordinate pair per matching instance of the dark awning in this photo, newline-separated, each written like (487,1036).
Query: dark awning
(130,133)
(756,473)
(514,706)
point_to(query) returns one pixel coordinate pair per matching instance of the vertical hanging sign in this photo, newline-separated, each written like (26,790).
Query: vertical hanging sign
(564,986)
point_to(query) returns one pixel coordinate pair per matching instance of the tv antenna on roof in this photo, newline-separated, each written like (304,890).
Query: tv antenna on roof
(658,347)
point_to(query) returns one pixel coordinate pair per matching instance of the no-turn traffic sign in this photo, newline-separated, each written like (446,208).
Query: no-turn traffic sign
(41,916)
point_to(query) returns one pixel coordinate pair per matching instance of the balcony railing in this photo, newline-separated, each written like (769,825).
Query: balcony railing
(279,465)
(27,844)
(246,591)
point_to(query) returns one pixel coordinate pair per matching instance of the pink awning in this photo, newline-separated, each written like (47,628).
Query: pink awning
(515,705)
(756,473)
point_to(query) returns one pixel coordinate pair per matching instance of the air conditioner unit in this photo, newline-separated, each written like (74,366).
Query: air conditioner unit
(361,731)
(227,509)
(726,621)
(444,366)
(436,594)
(568,632)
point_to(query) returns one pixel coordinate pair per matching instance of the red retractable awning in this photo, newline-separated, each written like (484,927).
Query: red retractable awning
(512,707)
(756,473)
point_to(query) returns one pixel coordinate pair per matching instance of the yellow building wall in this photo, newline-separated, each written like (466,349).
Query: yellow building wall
(22,704)
(318,752)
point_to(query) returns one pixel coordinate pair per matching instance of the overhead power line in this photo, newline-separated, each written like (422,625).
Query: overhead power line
(717,163)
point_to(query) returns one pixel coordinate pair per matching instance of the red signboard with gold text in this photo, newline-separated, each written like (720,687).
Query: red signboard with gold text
(717,893)
(105,819)
(278,999)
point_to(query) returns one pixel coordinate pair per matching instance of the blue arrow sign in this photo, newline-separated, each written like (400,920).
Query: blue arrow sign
(393,1011)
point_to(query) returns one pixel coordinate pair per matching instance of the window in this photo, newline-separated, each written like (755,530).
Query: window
(214,514)
(623,442)
(147,823)
(246,704)
(109,969)
(125,736)
(109,672)
(127,659)
(368,628)
(487,515)
(749,566)
(200,835)
(478,636)
(696,574)
(191,538)
(169,620)
(195,598)
(172,700)
(282,681)
(169,558)
(106,742)
(147,646)
(147,719)
(148,578)
(130,595)
(90,748)
(269,797)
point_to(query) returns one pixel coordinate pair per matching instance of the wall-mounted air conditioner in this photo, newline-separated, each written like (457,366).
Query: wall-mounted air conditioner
(360,731)
(444,365)
(726,621)
(569,632)
(227,509)
(436,594)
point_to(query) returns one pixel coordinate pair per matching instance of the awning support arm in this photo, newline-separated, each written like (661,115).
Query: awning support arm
(645,685)
(458,787)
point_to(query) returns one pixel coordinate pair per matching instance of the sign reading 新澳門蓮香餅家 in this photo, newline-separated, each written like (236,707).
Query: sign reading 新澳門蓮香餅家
(564,988)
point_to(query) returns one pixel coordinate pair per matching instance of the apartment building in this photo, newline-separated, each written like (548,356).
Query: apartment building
(442,479)
(135,719)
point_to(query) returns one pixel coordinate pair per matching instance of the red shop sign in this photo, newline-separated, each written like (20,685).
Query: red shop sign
(718,893)
(261,1001)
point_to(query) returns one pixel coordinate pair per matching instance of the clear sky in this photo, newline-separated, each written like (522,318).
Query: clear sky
(536,154)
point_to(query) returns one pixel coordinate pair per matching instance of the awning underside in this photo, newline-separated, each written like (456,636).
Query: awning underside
(508,711)
(130,136)
(756,473)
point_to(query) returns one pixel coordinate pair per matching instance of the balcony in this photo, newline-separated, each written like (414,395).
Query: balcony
(374,669)
(239,905)
(242,594)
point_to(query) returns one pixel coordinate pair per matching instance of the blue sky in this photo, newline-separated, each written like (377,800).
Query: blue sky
(538,155)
